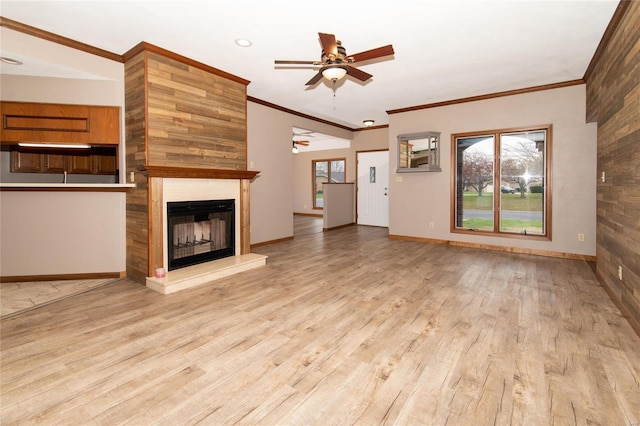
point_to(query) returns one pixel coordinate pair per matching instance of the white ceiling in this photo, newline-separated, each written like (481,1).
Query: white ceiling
(444,49)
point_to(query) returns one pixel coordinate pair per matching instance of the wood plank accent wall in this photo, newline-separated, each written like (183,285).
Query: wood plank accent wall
(195,119)
(613,99)
(183,118)
(137,216)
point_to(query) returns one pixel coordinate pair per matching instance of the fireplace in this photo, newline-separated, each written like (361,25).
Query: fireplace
(199,231)
(183,240)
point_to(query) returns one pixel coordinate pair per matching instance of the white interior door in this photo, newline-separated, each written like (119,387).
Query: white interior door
(373,188)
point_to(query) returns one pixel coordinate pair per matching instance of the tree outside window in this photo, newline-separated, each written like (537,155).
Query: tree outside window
(325,171)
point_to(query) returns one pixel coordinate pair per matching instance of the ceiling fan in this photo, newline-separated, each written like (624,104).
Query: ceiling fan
(335,63)
(295,144)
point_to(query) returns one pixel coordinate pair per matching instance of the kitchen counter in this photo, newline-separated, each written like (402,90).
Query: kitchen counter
(88,187)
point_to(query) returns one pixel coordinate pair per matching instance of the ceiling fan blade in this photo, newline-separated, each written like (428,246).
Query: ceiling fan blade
(278,62)
(328,42)
(373,53)
(356,73)
(307,134)
(316,78)
(303,143)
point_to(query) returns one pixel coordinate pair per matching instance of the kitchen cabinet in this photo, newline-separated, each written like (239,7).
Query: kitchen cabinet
(54,163)
(104,161)
(79,164)
(59,123)
(97,160)
(103,164)
(25,162)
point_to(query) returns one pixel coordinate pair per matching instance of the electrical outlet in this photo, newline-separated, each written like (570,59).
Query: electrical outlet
(580,237)
(430,225)
(398,179)
(132,177)
(602,177)
(620,272)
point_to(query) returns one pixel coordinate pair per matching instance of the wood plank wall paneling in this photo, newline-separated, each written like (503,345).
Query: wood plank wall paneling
(613,99)
(195,119)
(137,216)
(178,116)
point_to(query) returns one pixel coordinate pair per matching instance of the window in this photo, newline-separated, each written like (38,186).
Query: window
(501,182)
(325,171)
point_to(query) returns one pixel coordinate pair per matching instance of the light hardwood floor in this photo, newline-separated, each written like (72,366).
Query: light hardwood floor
(341,327)
(305,225)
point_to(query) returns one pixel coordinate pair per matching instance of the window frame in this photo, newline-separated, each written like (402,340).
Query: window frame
(313,176)
(547,191)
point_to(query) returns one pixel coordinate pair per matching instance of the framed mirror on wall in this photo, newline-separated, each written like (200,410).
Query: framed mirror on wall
(419,152)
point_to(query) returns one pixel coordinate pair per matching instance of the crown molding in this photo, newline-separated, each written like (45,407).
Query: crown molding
(148,47)
(299,114)
(490,96)
(55,38)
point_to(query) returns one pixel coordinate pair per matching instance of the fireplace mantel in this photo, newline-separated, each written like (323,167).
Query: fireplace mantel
(197,173)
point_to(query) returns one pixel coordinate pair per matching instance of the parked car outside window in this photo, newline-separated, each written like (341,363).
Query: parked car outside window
(507,190)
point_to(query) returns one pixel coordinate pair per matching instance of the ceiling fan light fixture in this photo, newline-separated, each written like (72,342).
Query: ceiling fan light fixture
(368,123)
(334,72)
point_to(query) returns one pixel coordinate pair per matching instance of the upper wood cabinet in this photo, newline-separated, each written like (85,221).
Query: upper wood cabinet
(59,123)
(94,161)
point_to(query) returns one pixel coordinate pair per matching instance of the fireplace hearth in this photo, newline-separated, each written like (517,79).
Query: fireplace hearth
(199,231)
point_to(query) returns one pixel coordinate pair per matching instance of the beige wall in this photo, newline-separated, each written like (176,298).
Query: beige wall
(370,140)
(48,233)
(58,232)
(269,135)
(425,197)
(269,152)
(367,140)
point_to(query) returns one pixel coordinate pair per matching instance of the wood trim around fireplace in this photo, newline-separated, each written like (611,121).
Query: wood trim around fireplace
(192,172)
(245,221)
(156,213)
(156,228)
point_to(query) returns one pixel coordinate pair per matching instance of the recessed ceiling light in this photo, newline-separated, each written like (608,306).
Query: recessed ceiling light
(243,42)
(10,61)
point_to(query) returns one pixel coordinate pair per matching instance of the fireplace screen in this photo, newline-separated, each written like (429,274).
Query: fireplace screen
(199,231)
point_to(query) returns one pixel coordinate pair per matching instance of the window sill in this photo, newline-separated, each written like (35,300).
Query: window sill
(502,234)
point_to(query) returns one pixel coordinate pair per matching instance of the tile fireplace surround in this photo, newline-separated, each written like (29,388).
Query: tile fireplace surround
(198,189)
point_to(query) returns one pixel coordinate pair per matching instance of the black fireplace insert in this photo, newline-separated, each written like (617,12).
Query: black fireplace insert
(199,231)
